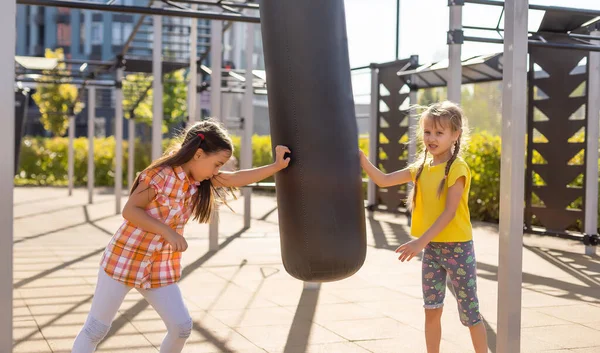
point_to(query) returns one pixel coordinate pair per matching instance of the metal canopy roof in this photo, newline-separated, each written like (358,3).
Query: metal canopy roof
(31,69)
(36,63)
(563,22)
(556,26)
(481,68)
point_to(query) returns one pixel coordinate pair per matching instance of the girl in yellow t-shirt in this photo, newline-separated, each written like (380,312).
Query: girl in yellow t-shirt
(440,220)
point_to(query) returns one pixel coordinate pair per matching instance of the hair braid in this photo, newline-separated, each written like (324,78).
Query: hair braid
(448,165)
(413,193)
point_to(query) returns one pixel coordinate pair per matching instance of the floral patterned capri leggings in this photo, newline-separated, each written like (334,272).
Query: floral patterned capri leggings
(457,262)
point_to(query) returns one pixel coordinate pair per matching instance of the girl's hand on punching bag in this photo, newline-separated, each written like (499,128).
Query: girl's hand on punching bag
(281,160)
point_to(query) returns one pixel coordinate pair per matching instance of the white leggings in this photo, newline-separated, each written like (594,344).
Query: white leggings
(109,295)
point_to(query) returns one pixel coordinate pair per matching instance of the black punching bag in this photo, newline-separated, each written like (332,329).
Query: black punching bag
(311,110)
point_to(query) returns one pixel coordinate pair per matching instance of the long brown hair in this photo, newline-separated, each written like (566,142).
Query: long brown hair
(443,112)
(214,139)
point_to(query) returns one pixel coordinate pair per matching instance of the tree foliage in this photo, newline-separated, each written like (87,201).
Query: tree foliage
(56,101)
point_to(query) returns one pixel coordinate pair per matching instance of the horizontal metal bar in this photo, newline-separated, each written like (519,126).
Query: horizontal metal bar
(583,36)
(565,9)
(571,35)
(483,40)
(209,15)
(176,25)
(539,7)
(167,50)
(224,3)
(536,43)
(483,28)
(76,83)
(76,75)
(559,234)
(89,62)
(139,40)
(360,68)
(485,2)
(83,61)
(585,47)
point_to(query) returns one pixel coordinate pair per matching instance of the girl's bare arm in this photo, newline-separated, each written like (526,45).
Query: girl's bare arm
(382,179)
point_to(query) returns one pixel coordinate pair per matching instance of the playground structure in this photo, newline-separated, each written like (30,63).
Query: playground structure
(394,76)
(564,39)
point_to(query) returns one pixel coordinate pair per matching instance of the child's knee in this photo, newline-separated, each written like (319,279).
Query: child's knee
(95,330)
(184,328)
(433,314)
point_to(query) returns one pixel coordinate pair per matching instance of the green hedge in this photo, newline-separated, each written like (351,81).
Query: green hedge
(44,162)
(483,157)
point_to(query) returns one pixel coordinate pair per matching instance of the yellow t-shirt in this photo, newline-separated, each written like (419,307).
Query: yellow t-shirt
(429,207)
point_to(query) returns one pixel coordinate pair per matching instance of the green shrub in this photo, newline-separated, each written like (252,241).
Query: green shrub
(44,162)
(483,157)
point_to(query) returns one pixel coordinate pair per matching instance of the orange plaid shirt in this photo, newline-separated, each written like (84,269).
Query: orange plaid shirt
(146,260)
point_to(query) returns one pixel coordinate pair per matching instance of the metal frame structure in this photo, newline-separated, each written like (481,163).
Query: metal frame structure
(555,194)
(516,40)
(511,67)
(386,107)
(253,83)
(483,68)
(8,24)
(514,111)
(579,41)
(173,11)
(556,32)
(592,129)
(512,174)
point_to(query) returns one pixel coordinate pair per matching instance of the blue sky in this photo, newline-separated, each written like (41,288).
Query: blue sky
(371,26)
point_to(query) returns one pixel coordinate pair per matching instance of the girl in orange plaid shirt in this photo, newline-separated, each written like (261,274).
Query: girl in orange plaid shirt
(145,252)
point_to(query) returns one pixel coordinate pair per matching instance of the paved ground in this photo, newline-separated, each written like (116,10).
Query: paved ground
(242,300)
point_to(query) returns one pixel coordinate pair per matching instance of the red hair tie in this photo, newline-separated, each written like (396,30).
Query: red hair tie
(201,135)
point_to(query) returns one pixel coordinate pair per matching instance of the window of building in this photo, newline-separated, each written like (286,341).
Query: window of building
(97,33)
(117,34)
(63,34)
(127,29)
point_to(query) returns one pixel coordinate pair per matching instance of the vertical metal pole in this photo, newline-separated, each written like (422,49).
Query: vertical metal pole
(238,30)
(193,83)
(7,140)
(591,187)
(157,88)
(216,60)
(119,140)
(373,131)
(512,176)
(91,119)
(198,105)
(248,114)
(397,29)
(454,51)
(413,123)
(70,154)
(131,152)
